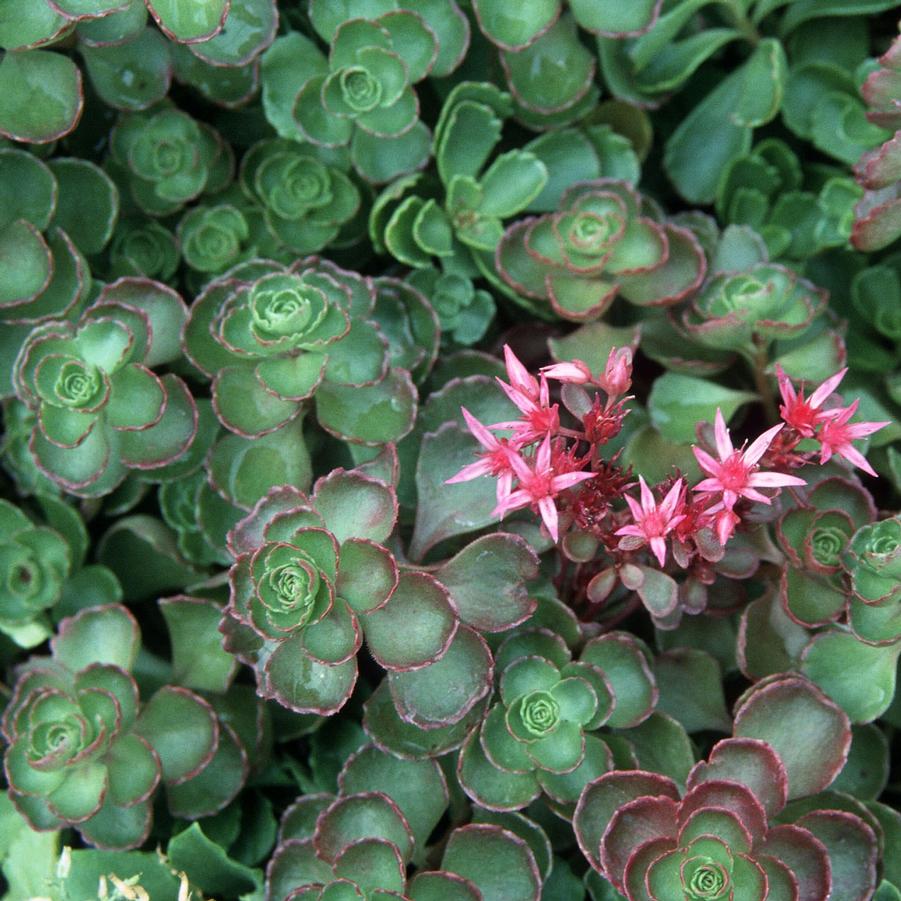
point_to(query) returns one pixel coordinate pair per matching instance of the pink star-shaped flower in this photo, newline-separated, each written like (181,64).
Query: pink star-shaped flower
(495,461)
(652,522)
(736,474)
(835,437)
(539,417)
(804,415)
(539,485)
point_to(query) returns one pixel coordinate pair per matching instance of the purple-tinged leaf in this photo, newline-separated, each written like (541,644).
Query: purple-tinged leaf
(416,626)
(183,729)
(749,762)
(853,852)
(443,693)
(810,733)
(602,798)
(487,582)
(500,864)
(417,787)
(107,635)
(367,576)
(305,685)
(360,816)
(216,785)
(621,659)
(353,505)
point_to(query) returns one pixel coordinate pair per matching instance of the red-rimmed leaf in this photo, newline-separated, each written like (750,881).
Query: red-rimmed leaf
(602,798)
(416,626)
(56,83)
(496,567)
(354,505)
(810,733)
(750,762)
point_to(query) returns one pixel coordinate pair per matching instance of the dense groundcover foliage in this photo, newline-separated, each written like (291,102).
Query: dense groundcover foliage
(450,450)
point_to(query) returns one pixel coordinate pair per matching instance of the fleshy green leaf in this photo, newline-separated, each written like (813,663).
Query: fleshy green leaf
(40,96)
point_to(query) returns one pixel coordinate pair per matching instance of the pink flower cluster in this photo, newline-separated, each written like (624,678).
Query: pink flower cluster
(559,473)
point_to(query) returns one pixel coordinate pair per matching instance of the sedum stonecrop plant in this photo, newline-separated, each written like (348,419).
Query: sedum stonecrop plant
(450,450)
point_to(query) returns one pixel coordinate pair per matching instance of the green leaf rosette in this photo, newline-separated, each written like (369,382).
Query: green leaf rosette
(540,737)
(304,190)
(74,757)
(45,572)
(872,560)
(814,539)
(363,94)
(296,596)
(100,409)
(721,838)
(142,248)
(271,337)
(312,578)
(213,238)
(744,310)
(573,263)
(474,196)
(465,312)
(164,159)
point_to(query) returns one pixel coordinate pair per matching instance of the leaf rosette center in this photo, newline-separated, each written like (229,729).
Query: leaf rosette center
(827,544)
(704,879)
(77,385)
(593,232)
(169,156)
(293,185)
(285,307)
(540,713)
(740,294)
(289,587)
(360,91)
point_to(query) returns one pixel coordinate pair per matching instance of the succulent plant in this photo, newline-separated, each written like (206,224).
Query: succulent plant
(541,735)
(474,197)
(363,94)
(573,263)
(371,840)
(129,64)
(814,538)
(715,839)
(211,238)
(311,578)
(271,337)
(876,215)
(872,560)
(164,158)
(143,248)
(764,190)
(472,421)
(44,272)
(303,189)
(45,571)
(739,311)
(74,754)
(100,409)
(465,312)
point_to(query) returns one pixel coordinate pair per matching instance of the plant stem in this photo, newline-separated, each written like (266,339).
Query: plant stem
(762,383)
